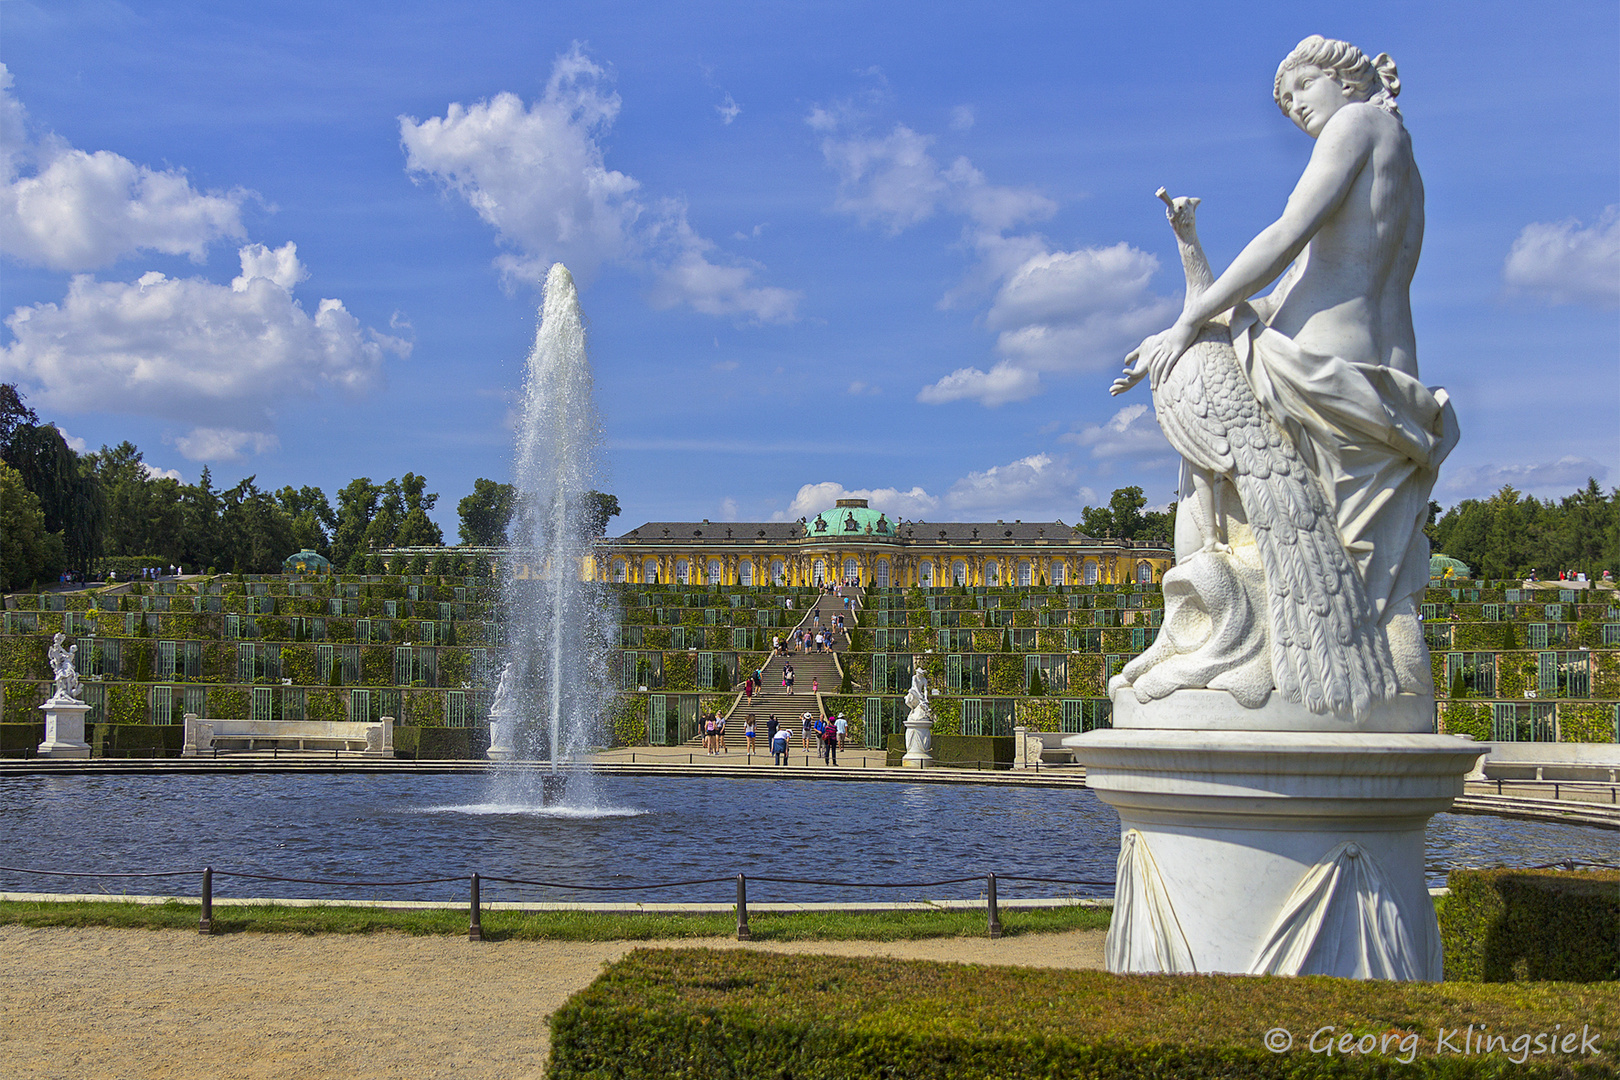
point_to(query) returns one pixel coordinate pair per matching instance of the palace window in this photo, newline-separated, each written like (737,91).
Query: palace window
(1024,573)
(714,572)
(882,573)
(1144,573)
(745,574)
(1090,572)
(649,572)
(778,572)
(852,570)
(683,572)
(925,575)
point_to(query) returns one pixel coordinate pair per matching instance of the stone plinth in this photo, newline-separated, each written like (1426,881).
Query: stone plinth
(1271,852)
(919,744)
(64,730)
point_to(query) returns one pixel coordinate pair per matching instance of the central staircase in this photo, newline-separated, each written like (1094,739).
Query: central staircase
(815,676)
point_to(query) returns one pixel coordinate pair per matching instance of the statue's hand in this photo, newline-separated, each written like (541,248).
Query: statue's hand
(1135,370)
(1161,351)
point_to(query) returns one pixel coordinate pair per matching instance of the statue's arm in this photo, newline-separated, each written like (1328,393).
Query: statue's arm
(1341,153)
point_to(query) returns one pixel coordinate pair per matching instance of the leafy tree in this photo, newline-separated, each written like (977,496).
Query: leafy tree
(356,506)
(70,497)
(599,509)
(1124,518)
(27,552)
(486,513)
(312,517)
(416,529)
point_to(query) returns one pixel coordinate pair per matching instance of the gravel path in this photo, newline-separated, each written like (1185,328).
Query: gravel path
(132,1004)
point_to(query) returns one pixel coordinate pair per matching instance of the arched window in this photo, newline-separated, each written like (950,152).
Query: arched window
(1091,572)
(621,571)
(649,572)
(778,572)
(925,575)
(1024,572)
(1060,575)
(882,573)
(683,572)
(714,572)
(992,573)
(958,572)
(852,571)
(745,573)
(1144,573)
(818,574)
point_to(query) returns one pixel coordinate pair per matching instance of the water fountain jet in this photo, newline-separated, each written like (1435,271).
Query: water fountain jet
(553,694)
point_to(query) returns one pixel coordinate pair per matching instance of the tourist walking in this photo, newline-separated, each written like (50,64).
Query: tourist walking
(815,684)
(829,744)
(748,732)
(787,677)
(843,728)
(708,734)
(807,727)
(770,728)
(720,735)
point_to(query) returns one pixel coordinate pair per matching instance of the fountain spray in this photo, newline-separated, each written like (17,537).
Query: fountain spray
(553,696)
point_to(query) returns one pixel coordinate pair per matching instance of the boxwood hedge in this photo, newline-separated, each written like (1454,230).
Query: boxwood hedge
(1517,925)
(711,1013)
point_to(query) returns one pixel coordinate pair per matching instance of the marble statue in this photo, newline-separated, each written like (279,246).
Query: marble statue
(1272,756)
(919,724)
(62,671)
(1309,445)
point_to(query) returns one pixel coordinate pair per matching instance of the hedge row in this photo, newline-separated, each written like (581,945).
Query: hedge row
(1532,925)
(702,1013)
(960,751)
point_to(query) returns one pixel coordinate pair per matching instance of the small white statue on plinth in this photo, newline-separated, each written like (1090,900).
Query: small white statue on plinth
(503,720)
(1271,757)
(919,725)
(64,712)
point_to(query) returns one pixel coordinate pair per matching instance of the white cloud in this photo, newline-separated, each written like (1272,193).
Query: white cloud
(1038,486)
(74,443)
(280,266)
(728,109)
(962,118)
(538,175)
(1053,310)
(154,473)
(728,509)
(1564,262)
(814,498)
(224,444)
(69,209)
(862,389)
(1549,478)
(1131,432)
(1001,384)
(220,358)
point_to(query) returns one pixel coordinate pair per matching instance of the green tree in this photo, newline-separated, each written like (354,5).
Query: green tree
(312,517)
(416,529)
(27,552)
(599,509)
(356,506)
(486,513)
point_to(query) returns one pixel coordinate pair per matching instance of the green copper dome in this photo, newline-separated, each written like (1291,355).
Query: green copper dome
(849,519)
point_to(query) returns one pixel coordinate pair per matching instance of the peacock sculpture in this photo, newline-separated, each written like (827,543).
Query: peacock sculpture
(1326,649)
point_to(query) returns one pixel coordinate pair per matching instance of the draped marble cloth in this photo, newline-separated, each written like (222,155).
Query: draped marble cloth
(1374,436)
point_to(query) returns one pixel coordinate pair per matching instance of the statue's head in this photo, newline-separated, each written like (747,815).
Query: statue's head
(1322,74)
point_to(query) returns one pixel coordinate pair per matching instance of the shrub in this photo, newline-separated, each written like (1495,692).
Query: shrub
(1467,718)
(1586,723)
(700,1013)
(1531,925)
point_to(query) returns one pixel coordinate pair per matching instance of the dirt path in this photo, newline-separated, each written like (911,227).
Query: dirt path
(131,1004)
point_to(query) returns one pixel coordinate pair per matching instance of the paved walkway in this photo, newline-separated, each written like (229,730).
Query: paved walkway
(91,1003)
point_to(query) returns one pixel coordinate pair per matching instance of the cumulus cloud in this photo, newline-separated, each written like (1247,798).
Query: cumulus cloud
(69,209)
(728,109)
(537,174)
(1547,478)
(220,358)
(1053,310)
(1038,487)
(1565,262)
(814,498)
(1002,383)
(154,473)
(1132,432)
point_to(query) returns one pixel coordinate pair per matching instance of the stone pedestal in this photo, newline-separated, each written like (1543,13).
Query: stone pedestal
(64,730)
(919,744)
(1271,851)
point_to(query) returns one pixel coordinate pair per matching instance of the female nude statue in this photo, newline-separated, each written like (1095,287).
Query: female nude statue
(1328,365)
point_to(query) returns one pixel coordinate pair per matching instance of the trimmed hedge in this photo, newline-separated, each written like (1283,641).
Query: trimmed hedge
(708,1013)
(124,739)
(1532,925)
(22,736)
(959,751)
(441,743)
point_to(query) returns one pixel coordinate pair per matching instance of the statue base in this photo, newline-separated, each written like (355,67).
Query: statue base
(919,734)
(1271,852)
(64,730)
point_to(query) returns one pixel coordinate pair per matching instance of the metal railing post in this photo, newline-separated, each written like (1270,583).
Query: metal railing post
(205,925)
(990,905)
(475,924)
(743,933)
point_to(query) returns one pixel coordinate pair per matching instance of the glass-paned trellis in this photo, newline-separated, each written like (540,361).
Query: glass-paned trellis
(1533,722)
(1087,714)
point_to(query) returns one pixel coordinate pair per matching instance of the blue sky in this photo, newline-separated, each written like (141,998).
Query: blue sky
(897,249)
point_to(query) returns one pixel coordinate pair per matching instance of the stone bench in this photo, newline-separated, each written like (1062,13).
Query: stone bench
(1551,761)
(1043,747)
(204,735)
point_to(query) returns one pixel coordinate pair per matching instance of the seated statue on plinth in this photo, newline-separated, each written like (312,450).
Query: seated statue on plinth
(1309,445)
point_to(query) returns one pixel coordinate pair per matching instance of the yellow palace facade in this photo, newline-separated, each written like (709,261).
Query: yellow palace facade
(852,542)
